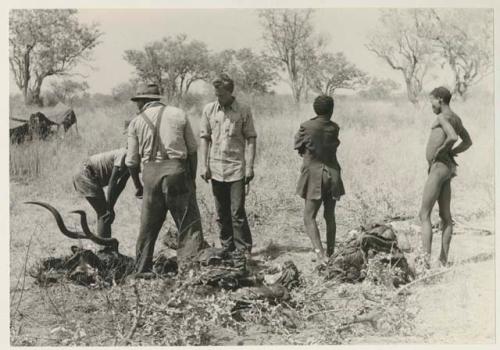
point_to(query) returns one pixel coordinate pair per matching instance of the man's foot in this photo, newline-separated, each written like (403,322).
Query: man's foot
(442,263)
(321,258)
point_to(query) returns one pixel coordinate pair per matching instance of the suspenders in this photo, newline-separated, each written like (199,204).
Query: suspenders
(155,129)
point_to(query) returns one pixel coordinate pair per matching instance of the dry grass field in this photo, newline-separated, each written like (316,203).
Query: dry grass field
(384,169)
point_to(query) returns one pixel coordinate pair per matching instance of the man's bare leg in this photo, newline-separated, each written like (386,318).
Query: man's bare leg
(432,190)
(446,221)
(310,212)
(331,226)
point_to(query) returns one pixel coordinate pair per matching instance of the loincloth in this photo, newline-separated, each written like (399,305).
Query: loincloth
(452,167)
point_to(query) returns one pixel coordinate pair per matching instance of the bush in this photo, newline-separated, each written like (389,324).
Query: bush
(379,89)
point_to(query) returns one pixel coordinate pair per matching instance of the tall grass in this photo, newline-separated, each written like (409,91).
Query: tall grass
(381,154)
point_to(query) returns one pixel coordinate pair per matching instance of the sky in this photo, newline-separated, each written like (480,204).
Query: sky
(220,29)
(346,29)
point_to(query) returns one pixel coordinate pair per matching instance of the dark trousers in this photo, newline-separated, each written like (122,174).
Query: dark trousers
(104,217)
(231,216)
(168,190)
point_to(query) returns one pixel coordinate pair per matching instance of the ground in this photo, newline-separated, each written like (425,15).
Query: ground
(384,175)
(455,308)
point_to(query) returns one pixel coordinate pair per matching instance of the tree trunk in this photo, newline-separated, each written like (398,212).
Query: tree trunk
(35,97)
(296,92)
(460,86)
(26,77)
(412,95)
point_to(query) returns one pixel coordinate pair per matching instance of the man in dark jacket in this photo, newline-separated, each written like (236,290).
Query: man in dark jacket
(320,181)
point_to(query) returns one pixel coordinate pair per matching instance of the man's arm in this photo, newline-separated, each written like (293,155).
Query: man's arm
(116,185)
(465,144)
(250,135)
(132,160)
(205,142)
(204,151)
(451,136)
(251,146)
(134,174)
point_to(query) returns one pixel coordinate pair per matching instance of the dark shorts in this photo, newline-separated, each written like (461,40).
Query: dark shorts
(86,183)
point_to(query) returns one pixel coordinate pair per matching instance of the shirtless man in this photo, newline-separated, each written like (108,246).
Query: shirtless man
(440,153)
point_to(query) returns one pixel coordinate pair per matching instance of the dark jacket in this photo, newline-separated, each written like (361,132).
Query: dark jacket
(317,142)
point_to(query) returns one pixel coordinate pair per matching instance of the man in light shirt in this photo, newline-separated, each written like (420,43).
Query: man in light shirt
(160,137)
(228,135)
(98,171)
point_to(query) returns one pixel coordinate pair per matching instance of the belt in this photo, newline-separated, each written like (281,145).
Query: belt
(167,160)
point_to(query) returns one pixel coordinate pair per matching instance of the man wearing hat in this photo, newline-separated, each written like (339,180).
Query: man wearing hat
(228,135)
(160,137)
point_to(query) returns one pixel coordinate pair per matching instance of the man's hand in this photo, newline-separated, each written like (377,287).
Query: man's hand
(249,175)
(206,174)
(139,192)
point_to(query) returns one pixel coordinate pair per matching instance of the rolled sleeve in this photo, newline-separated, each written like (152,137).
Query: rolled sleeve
(249,127)
(205,129)
(191,144)
(120,158)
(133,158)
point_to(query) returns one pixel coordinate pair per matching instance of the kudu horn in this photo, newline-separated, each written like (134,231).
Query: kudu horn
(111,242)
(86,234)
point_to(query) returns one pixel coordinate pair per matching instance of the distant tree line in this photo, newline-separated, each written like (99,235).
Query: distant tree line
(175,63)
(50,43)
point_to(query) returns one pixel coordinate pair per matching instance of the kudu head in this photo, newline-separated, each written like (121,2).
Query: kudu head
(111,243)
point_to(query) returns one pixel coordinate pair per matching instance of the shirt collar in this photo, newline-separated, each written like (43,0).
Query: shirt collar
(149,105)
(233,106)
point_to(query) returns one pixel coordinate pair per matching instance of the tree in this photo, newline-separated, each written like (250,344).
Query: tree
(44,43)
(397,42)
(68,90)
(333,72)
(124,91)
(464,40)
(379,88)
(290,38)
(251,73)
(172,63)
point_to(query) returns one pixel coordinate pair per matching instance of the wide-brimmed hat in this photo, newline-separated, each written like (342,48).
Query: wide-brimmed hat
(147,92)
